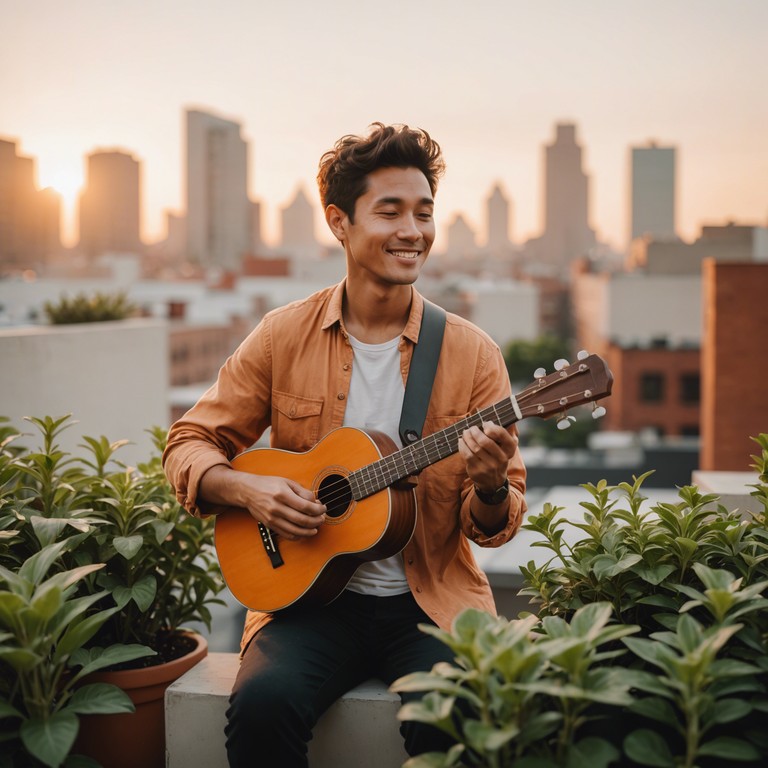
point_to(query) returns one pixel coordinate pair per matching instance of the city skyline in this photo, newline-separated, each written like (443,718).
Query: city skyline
(489,87)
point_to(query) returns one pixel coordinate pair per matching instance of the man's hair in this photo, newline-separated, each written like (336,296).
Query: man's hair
(343,169)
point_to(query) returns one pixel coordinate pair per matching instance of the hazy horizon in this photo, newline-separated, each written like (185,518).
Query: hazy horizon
(489,84)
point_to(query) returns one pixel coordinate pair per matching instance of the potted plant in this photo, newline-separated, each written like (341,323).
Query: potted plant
(150,567)
(650,647)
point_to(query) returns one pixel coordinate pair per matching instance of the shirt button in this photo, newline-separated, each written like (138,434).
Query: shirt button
(293,410)
(341,395)
(347,366)
(410,561)
(418,589)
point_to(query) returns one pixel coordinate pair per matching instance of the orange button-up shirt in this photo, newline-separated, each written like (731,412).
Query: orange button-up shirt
(292,373)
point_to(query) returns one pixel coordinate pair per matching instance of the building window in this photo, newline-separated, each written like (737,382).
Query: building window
(689,430)
(652,387)
(690,388)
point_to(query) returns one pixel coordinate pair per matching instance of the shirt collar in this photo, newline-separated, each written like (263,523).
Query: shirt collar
(412,327)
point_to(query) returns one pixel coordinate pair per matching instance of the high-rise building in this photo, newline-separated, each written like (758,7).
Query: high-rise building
(461,241)
(218,210)
(297,221)
(110,204)
(652,191)
(497,221)
(29,218)
(567,234)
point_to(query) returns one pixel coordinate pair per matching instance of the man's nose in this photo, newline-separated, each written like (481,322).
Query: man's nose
(409,229)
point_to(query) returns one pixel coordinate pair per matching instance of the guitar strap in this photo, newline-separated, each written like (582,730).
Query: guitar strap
(421,375)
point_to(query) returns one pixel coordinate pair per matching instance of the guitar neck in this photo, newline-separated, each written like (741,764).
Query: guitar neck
(429,450)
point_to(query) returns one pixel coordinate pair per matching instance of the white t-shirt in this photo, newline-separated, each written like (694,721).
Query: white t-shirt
(374,402)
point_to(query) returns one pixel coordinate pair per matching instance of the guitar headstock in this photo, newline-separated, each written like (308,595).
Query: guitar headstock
(585,381)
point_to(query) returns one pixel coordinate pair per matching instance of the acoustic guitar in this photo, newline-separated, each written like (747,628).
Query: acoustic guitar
(362,478)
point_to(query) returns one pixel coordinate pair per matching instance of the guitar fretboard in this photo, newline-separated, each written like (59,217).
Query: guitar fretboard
(383,473)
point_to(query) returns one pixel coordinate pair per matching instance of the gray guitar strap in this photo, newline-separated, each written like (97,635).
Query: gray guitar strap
(421,375)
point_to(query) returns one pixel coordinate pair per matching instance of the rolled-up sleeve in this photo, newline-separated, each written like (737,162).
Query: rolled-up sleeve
(229,418)
(492,386)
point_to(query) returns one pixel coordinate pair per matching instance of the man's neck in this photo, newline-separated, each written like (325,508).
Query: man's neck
(375,316)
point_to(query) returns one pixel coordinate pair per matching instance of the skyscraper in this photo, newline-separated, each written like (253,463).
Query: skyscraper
(567,234)
(297,220)
(218,209)
(652,191)
(110,204)
(497,221)
(29,217)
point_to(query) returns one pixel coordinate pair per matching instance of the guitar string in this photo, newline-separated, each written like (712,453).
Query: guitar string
(383,472)
(379,474)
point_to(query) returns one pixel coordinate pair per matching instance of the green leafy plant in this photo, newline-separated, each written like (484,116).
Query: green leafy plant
(83,308)
(680,586)
(526,690)
(130,567)
(43,628)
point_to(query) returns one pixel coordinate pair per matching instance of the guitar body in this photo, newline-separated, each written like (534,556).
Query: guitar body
(314,571)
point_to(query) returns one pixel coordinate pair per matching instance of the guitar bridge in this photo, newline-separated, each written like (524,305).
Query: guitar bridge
(270,546)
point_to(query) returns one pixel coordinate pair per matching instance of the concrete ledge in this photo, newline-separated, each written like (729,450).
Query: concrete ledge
(359,729)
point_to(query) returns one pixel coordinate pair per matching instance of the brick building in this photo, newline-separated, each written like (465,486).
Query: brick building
(734,363)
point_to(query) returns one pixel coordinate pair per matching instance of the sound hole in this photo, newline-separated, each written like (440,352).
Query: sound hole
(335,493)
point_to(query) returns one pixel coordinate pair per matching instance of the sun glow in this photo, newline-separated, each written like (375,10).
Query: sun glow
(66,178)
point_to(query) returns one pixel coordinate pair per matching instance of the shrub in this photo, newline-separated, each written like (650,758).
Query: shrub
(83,308)
(663,606)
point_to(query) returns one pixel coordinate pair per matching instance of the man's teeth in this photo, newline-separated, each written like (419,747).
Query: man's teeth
(405,254)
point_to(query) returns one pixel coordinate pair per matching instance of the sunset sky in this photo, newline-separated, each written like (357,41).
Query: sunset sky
(488,80)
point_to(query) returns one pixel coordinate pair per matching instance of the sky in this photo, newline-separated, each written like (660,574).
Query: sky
(488,80)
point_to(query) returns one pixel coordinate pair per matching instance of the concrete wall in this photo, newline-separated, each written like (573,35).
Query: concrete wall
(112,377)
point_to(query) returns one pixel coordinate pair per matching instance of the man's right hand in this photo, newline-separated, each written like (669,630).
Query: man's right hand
(284,506)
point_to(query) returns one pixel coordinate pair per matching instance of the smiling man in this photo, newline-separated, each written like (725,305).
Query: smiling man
(341,358)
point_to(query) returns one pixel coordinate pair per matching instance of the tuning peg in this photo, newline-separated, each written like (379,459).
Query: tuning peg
(598,411)
(582,355)
(539,373)
(561,363)
(565,422)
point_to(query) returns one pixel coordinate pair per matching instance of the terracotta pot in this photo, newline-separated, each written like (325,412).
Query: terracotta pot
(136,739)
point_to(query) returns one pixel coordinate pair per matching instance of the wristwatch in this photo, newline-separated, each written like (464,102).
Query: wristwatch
(496,497)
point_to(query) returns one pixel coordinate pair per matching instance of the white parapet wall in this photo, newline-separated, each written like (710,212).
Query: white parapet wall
(112,377)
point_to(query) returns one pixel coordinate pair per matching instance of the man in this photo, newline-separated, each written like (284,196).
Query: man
(340,358)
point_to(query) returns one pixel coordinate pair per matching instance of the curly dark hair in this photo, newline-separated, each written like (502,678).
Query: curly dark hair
(341,177)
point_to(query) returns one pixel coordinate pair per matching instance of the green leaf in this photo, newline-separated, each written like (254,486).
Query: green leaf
(50,740)
(34,568)
(7,710)
(485,737)
(729,748)
(728,710)
(592,752)
(128,546)
(80,631)
(20,659)
(100,699)
(648,748)
(46,602)
(93,659)
(162,530)
(143,592)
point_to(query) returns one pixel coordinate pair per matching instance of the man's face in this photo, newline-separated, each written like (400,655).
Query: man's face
(393,229)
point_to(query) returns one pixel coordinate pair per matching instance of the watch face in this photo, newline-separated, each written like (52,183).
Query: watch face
(496,497)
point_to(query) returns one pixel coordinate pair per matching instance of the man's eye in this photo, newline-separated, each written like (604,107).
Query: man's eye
(425,216)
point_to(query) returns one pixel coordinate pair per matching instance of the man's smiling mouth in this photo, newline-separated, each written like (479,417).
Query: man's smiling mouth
(405,254)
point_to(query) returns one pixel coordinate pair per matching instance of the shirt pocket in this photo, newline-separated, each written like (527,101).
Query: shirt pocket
(295,421)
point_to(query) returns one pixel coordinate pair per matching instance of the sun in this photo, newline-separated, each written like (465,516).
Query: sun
(66,178)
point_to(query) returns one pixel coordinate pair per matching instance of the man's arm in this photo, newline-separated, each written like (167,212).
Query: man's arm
(283,505)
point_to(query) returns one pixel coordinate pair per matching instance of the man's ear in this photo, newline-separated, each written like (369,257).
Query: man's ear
(336,219)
